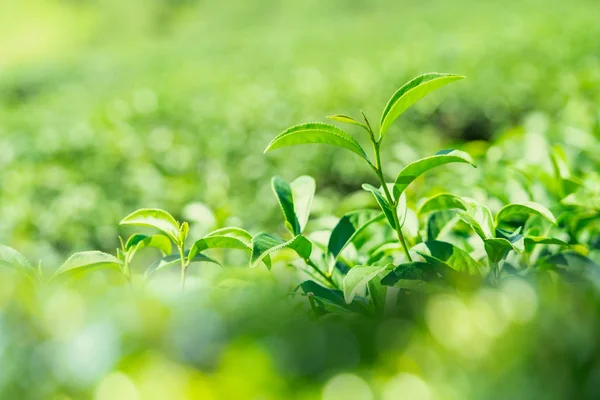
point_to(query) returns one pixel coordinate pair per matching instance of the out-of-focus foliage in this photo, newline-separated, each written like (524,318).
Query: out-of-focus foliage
(109,106)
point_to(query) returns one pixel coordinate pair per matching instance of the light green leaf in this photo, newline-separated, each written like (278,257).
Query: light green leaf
(348,227)
(346,119)
(14,259)
(316,132)
(264,245)
(417,168)
(531,240)
(86,260)
(139,241)
(442,202)
(383,203)
(511,212)
(303,190)
(175,260)
(225,238)
(411,92)
(356,280)
(154,218)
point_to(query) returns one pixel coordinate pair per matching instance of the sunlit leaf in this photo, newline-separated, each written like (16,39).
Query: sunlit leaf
(14,259)
(442,202)
(531,240)
(264,245)
(154,218)
(346,119)
(139,241)
(411,92)
(316,132)
(417,168)
(522,211)
(303,190)
(356,280)
(87,260)
(283,192)
(224,238)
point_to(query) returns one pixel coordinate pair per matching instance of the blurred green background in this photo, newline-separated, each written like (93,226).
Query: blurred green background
(108,105)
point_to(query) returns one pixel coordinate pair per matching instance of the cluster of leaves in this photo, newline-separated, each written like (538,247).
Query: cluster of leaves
(371,258)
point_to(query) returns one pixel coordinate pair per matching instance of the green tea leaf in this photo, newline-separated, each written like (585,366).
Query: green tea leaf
(442,202)
(14,259)
(264,245)
(174,260)
(154,218)
(285,197)
(411,92)
(316,132)
(416,270)
(387,209)
(498,248)
(224,238)
(303,190)
(348,227)
(328,296)
(346,119)
(139,241)
(436,252)
(87,260)
(511,212)
(531,240)
(357,279)
(417,168)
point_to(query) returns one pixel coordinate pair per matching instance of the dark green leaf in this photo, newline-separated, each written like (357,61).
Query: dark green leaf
(498,248)
(436,251)
(348,227)
(283,192)
(264,245)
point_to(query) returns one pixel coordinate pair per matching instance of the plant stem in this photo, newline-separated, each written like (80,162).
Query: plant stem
(183,266)
(379,171)
(323,274)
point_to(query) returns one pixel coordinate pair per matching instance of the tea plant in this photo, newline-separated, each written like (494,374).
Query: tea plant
(370,260)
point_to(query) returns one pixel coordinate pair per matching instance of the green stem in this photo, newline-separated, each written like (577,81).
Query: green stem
(323,274)
(379,171)
(183,266)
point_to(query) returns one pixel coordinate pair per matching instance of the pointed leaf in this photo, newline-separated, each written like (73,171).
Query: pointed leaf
(498,248)
(348,227)
(264,245)
(86,260)
(416,270)
(511,212)
(316,132)
(417,168)
(285,197)
(154,218)
(329,296)
(436,251)
(357,279)
(175,260)
(346,119)
(224,238)
(303,190)
(411,92)
(12,258)
(139,241)
(442,202)
(531,240)
(383,203)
